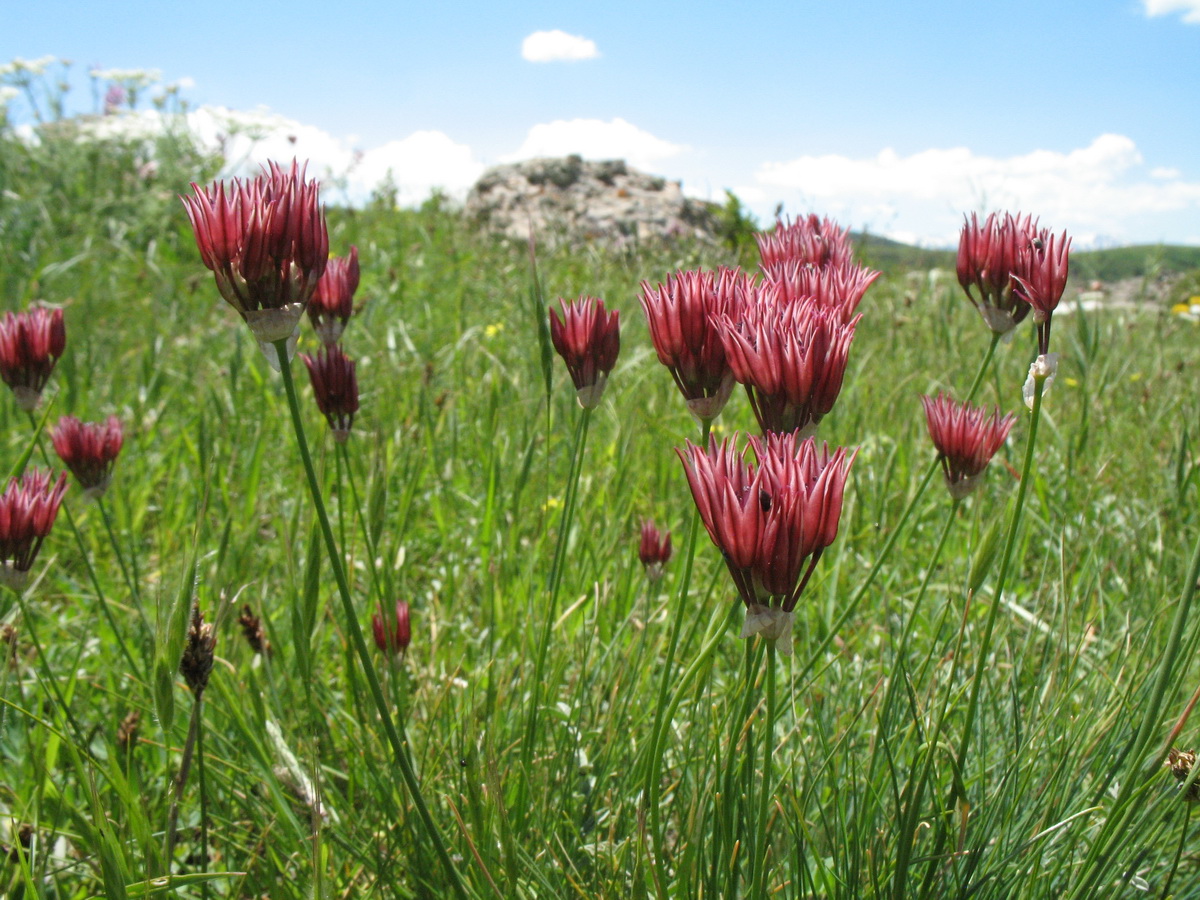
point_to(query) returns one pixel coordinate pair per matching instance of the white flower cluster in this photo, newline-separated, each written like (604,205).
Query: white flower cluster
(128,78)
(27,67)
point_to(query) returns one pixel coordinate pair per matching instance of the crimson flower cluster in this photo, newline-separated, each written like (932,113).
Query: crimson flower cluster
(89,450)
(988,254)
(791,357)
(335,387)
(1041,278)
(771,517)
(683,315)
(1008,267)
(266,241)
(654,550)
(966,438)
(28,508)
(30,346)
(332,303)
(588,338)
(786,338)
(813,241)
(392,636)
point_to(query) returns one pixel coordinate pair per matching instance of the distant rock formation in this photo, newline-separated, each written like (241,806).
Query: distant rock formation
(573,200)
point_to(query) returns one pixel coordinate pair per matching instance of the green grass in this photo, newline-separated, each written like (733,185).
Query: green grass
(460,461)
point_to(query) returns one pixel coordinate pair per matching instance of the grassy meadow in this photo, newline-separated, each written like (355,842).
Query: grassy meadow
(451,494)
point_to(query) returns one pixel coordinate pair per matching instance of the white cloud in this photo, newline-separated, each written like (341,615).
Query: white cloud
(1189,8)
(1092,191)
(597,139)
(557,46)
(418,164)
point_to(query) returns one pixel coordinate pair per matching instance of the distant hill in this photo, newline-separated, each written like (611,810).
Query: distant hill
(1114,264)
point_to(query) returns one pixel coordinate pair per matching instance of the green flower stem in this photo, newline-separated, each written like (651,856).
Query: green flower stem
(185,767)
(910,815)
(1039,386)
(134,592)
(556,569)
(134,669)
(957,787)
(48,676)
(852,606)
(652,791)
(762,843)
(354,630)
(987,358)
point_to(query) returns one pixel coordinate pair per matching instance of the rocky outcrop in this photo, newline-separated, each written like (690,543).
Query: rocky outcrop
(573,200)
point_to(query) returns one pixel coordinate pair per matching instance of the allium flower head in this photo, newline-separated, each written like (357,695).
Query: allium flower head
(654,550)
(588,338)
(1041,278)
(28,508)
(89,451)
(811,241)
(791,357)
(966,439)
(987,259)
(839,288)
(681,316)
(336,388)
(332,302)
(771,517)
(266,242)
(30,345)
(395,635)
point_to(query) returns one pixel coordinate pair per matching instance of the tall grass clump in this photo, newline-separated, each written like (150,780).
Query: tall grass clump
(411,626)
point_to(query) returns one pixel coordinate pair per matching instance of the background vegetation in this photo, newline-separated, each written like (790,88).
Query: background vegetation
(458,463)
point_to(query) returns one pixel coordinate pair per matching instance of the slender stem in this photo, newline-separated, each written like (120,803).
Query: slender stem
(1187,819)
(203,800)
(134,593)
(652,791)
(556,569)
(135,669)
(1005,561)
(185,766)
(987,358)
(48,676)
(933,562)
(762,844)
(394,736)
(852,606)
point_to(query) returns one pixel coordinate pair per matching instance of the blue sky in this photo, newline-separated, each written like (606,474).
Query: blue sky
(896,117)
